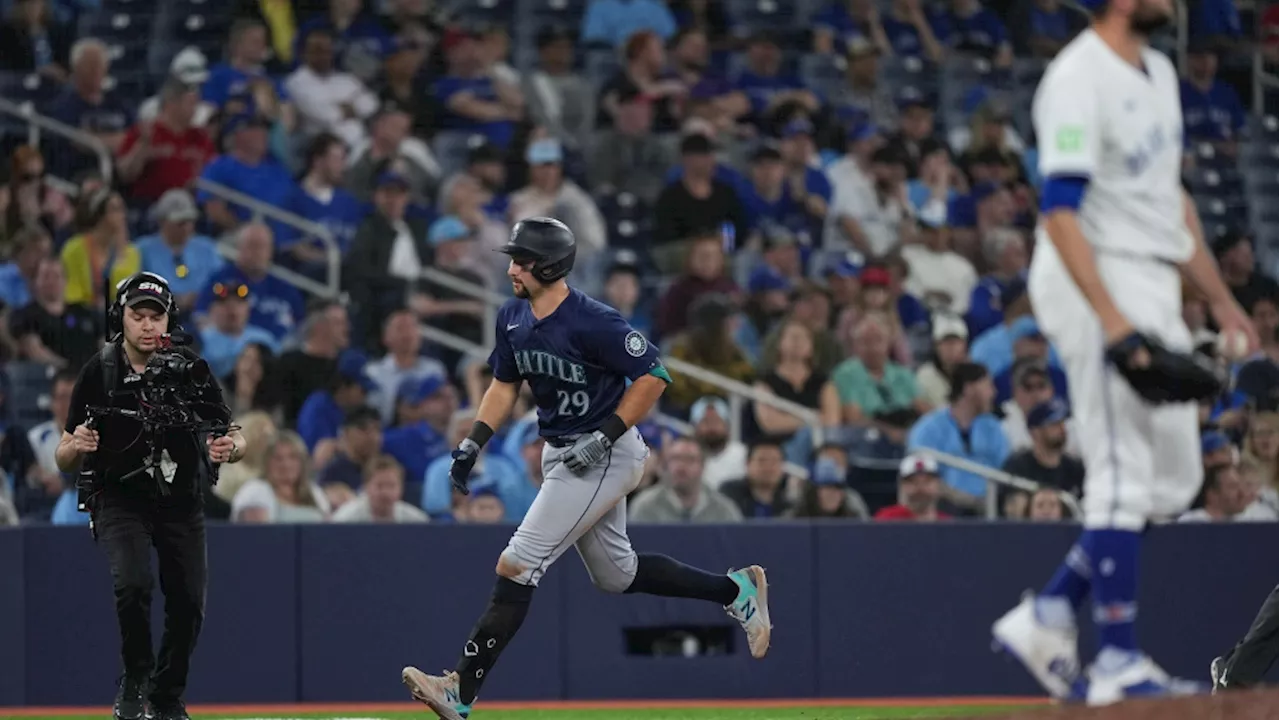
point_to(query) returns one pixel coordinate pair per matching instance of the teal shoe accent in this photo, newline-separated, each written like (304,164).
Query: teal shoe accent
(746,587)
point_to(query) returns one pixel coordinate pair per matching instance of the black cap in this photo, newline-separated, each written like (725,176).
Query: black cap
(766,151)
(697,144)
(143,288)
(888,155)
(965,374)
(485,152)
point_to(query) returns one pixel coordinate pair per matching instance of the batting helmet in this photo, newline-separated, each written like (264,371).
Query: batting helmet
(545,241)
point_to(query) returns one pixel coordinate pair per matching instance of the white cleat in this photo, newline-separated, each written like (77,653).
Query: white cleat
(438,692)
(751,608)
(1140,678)
(1051,655)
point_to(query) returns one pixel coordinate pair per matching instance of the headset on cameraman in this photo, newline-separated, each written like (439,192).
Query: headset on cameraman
(115,321)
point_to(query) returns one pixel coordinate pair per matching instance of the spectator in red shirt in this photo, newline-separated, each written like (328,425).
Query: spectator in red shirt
(919,489)
(704,273)
(168,152)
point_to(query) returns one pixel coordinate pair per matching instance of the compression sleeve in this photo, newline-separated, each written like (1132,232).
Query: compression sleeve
(1063,192)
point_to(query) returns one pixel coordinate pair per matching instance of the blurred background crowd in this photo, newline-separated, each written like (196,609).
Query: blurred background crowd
(829,203)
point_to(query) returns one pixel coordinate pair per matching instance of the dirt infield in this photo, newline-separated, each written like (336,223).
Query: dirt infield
(1250,705)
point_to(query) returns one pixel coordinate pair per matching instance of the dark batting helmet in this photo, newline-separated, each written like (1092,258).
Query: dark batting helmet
(547,243)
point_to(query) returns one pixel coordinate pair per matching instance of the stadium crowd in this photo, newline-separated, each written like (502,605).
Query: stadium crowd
(830,201)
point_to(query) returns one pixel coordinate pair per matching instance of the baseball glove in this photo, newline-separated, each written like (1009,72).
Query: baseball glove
(1161,375)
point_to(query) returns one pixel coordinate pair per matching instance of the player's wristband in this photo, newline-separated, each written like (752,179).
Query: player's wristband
(480,433)
(613,427)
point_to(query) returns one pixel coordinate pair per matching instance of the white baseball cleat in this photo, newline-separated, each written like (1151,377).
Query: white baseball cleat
(751,608)
(1140,677)
(1050,654)
(438,692)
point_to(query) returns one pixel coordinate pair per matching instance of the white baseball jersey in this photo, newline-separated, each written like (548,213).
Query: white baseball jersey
(1097,116)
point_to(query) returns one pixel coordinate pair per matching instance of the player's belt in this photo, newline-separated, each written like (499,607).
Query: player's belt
(562,441)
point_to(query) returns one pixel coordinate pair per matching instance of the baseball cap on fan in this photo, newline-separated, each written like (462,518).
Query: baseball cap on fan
(148,289)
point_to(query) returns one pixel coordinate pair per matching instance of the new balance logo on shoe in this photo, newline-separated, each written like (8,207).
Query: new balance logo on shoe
(748,610)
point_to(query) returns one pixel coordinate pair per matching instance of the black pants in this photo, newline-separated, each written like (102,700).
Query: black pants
(1253,656)
(128,528)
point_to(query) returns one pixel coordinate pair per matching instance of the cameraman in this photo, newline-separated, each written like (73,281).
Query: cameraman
(133,512)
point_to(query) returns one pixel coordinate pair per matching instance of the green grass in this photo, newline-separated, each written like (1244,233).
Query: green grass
(796,713)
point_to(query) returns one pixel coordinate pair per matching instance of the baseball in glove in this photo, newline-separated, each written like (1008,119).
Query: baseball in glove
(1161,375)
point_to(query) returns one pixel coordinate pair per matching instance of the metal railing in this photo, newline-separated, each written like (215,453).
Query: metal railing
(996,478)
(1261,81)
(37,122)
(332,287)
(737,391)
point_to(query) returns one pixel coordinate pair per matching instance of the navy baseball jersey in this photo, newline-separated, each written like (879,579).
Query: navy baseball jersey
(577,360)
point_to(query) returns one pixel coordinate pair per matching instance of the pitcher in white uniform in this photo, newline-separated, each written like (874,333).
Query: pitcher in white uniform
(1117,238)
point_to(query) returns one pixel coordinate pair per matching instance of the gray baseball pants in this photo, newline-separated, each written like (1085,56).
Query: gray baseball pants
(587,512)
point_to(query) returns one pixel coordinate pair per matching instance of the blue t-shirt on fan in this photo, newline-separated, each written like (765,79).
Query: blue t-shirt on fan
(274,305)
(268,181)
(341,213)
(498,132)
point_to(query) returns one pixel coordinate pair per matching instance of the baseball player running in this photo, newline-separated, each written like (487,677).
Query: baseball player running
(593,378)
(1117,238)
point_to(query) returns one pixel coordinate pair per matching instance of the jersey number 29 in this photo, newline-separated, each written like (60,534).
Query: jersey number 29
(576,403)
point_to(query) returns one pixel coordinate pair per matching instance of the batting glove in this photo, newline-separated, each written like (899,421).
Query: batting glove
(464,459)
(587,451)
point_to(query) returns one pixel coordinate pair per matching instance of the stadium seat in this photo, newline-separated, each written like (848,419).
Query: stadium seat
(824,74)
(130,56)
(29,386)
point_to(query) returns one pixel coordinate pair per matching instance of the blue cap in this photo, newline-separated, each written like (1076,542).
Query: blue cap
(415,390)
(1213,441)
(448,229)
(351,366)
(1024,327)
(483,488)
(984,190)
(705,403)
(845,268)
(391,177)
(243,120)
(862,131)
(911,97)
(827,472)
(799,126)
(1048,413)
(544,152)
(766,279)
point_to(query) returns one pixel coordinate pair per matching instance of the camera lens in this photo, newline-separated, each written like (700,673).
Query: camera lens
(198,373)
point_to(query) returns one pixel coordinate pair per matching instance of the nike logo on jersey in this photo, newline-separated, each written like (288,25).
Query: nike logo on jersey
(512,327)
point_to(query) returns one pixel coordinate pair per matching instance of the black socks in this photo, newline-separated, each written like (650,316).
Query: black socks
(494,629)
(661,575)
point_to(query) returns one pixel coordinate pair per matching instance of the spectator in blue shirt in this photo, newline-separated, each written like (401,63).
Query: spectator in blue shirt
(1006,250)
(275,305)
(967,429)
(1218,20)
(612,22)
(1211,109)
(807,185)
(969,28)
(31,245)
(909,33)
(766,85)
(228,331)
(359,441)
(498,471)
(321,199)
(322,414)
(247,54)
(768,198)
(842,21)
(358,39)
(87,105)
(1040,28)
(424,408)
(175,253)
(247,168)
(473,101)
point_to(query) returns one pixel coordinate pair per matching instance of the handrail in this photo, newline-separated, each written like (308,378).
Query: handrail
(735,388)
(1182,30)
(227,249)
(260,209)
(999,477)
(26,111)
(491,300)
(1261,79)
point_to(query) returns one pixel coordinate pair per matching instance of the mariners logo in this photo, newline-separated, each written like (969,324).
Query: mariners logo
(636,344)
